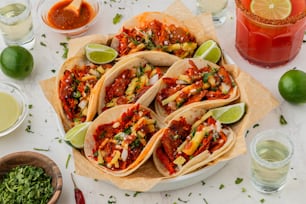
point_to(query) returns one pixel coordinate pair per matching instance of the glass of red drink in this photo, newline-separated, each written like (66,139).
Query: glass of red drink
(269,42)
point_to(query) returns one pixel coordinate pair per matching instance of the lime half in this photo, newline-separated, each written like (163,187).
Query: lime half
(100,54)
(271,9)
(229,114)
(209,50)
(76,135)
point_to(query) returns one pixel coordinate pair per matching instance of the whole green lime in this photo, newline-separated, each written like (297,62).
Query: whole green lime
(292,86)
(16,62)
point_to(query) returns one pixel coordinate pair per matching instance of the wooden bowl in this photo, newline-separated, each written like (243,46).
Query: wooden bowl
(34,159)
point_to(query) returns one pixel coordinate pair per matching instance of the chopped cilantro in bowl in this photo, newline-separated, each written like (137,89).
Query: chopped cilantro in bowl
(29,177)
(26,184)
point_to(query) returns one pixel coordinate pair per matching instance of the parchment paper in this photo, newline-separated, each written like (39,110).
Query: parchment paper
(254,94)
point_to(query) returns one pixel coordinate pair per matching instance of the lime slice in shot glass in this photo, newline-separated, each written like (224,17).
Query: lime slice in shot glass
(100,54)
(229,114)
(277,9)
(76,135)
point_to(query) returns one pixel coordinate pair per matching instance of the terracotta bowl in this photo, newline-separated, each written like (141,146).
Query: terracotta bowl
(34,159)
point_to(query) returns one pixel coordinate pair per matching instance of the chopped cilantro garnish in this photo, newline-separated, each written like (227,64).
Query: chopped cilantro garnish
(221,186)
(43,44)
(65,46)
(238,180)
(67,161)
(41,149)
(117,18)
(282,120)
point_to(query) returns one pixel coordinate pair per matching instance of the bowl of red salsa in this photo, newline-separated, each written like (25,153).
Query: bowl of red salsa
(56,17)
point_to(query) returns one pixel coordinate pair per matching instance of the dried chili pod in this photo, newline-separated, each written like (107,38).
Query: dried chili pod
(78,195)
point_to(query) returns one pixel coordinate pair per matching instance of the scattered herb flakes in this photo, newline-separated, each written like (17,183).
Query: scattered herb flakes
(167,195)
(101,194)
(29,129)
(282,120)
(53,71)
(136,193)
(183,201)
(65,46)
(30,106)
(67,160)
(249,196)
(41,149)
(238,180)
(203,183)
(112,200)
(28,184)
(127,195)
(243,190)
(43,44)
(43,35)
(262,200)
(205,201)
(256,125)
(189,194)
(117,18)
(221,186)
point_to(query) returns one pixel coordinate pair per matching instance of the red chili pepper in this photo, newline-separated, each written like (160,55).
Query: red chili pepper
(78,195)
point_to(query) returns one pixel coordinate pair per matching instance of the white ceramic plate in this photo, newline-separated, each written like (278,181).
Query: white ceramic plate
(185,180)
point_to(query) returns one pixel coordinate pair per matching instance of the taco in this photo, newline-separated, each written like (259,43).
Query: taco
(195,82)
(190,141)
(77,85)
(136,80)
(155,31)
(121,139)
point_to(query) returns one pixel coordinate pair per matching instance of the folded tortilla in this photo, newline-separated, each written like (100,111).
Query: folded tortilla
(191,89)
(190,141)
(122,138)
(155,31)
(77,85)
(143,82)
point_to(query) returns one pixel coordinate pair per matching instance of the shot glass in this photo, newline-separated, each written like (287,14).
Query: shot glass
(269,43)
(16,24)
(217,8)
(271,153)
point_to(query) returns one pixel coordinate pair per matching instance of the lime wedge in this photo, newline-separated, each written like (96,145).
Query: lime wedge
(229,114)
(100,54)
(271,9)
(76,135)
(209,50)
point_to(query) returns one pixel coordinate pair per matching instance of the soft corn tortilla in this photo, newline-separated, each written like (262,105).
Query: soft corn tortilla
(109,116)
(145,18)
(178,68)
(93,98)
(156,58)
(199,161)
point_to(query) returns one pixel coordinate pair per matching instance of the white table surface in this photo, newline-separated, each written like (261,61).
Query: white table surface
(46,135)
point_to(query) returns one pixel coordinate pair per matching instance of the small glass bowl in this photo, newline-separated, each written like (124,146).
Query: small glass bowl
(45,5)
(15,91)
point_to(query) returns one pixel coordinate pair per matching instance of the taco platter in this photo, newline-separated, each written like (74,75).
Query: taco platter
(175,60)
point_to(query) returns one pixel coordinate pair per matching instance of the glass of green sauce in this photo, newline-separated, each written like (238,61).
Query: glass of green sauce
(13,107)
